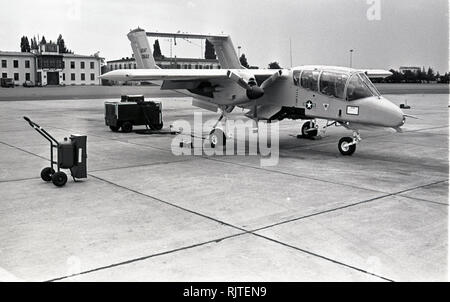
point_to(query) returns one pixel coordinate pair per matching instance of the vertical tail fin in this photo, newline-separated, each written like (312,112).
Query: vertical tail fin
(143,53)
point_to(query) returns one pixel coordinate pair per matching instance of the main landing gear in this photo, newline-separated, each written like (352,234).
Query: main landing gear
(346,145)
(310,129)
(217,136)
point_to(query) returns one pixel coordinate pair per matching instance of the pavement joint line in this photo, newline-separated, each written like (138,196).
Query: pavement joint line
(142,165)
(126,262)
(348,206)
(244,231)
(424,200)
(23,150)
(114,139)
(366,137)
(288,174)
(19,179)
(323,257)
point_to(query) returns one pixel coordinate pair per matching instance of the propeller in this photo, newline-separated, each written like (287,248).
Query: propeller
(253,90)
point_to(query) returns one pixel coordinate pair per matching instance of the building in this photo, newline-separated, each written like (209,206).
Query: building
(47,66)
(404,69)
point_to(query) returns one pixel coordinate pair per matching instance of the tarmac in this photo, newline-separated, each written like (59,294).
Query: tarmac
(145,214)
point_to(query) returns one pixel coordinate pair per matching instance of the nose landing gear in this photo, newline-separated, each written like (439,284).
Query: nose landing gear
(347,145)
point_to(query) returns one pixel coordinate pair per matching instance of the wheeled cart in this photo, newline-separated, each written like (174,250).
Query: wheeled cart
(131,111)
(71,154)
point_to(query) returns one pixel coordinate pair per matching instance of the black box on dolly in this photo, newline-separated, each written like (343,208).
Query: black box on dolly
(131,111)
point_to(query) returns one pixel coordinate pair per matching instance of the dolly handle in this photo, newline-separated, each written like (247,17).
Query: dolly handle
(41,130)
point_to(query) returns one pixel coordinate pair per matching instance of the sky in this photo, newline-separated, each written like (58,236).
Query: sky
(383,33)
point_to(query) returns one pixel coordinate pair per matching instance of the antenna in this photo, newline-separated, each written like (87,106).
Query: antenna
(290,49)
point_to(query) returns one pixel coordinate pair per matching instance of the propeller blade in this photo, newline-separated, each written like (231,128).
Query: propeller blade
(239,80)
(272,79)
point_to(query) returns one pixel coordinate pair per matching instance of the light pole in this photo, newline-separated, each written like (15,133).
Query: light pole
(351,57)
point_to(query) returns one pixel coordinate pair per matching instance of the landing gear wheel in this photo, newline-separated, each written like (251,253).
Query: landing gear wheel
(217,138)
(127,127)
(114,128)
(46,174)
(59,179)
(156,126)
(309,133)
(344,146)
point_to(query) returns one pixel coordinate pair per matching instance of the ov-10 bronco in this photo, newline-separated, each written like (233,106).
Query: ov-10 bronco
(342,96)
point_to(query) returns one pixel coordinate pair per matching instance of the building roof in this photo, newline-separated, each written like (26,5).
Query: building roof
(183,60)
(30,54)
(16,54)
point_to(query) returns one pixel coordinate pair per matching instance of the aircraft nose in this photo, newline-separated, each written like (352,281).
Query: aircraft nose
(394,116)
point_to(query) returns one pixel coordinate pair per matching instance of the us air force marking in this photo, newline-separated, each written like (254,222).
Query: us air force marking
(309,105)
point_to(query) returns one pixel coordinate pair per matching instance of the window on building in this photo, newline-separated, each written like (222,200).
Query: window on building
(200,66)
(130,66)
(4,75)
(27,64)
(16,63)
(82,65)
(72,77)
(27,76)
(4,64)
(72,64)
(16,76)
(92,65)
(83,77)
(134,65)
(115,66)
(120,66)
(64,76)
(92,76)
(124,66)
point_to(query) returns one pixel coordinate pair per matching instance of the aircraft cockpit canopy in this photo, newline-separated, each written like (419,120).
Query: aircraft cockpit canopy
(341,85)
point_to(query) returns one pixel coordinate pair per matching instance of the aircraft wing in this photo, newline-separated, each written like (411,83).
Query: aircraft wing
(377,73)
(183,74)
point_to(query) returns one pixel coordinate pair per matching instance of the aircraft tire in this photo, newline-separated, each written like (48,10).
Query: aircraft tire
(217,138)
(305,133)
(344,148)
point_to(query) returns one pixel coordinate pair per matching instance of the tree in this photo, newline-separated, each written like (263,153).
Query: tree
(157,50)
(43,41)
(24,44)
(430,75)
(274,65)
(61,44)
(34,44)
(243,61)
(210,52)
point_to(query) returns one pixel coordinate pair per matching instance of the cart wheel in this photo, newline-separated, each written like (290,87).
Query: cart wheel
(46,174)
(59,179)
(114,128)
(157,126)
(127,127)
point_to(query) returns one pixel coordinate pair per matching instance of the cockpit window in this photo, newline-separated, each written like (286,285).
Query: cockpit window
(333,84)
(296,76)
(357,89)
(369,84)
(309,79)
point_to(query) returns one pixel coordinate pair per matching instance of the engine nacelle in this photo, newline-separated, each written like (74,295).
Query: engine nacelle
(255,92)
